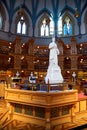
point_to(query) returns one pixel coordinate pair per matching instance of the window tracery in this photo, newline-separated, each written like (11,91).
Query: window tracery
(46,26)
(21,26)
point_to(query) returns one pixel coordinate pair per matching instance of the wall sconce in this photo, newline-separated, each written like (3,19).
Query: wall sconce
(77,13)
(20,11)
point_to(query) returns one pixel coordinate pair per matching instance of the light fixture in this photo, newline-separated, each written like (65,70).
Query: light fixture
(20,11)
(45,21)
(77,13)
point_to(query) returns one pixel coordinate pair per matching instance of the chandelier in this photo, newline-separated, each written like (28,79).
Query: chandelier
(20,11)
(77,13)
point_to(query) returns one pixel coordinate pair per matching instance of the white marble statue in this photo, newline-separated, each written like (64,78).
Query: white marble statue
(54,52)
(54,72)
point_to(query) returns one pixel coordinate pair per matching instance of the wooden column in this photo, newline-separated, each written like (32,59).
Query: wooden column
(73,116)
(73,62)
(60,57)
(17,53)
(17,62)
(60,46)
(30,58)
(47,117)
(18,45)
(73,46)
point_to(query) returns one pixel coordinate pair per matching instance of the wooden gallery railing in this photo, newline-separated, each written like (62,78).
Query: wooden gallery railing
(45,107)
(48,106)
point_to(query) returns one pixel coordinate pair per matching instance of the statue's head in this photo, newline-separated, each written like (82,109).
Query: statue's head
(31,73)
(53,39)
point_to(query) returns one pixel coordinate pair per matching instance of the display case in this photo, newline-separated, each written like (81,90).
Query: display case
(15,81)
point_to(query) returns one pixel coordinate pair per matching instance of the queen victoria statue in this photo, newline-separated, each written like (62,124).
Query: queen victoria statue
(54,72)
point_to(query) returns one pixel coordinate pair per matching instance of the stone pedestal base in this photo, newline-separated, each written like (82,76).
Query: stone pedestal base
(54,75)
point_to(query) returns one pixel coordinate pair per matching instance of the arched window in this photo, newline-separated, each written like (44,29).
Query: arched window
(65,25)
(21,26)
(1,21)
(46,26)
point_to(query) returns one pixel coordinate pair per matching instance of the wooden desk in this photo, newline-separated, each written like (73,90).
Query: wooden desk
(2,90)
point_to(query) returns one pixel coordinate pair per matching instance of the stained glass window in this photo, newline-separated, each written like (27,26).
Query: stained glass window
(65,26)
(0,21)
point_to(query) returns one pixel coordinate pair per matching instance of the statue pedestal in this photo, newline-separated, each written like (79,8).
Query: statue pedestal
(54,75)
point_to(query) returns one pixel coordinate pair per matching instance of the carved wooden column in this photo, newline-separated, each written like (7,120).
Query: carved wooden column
(73,54)
(74,62)
(30,63)
(73,46)
(17,62)
(48,121)
(17,53)
(61,60)
(30,57)
(18,44)
(60,57)
(60,46)
(30,46)
(73,116)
